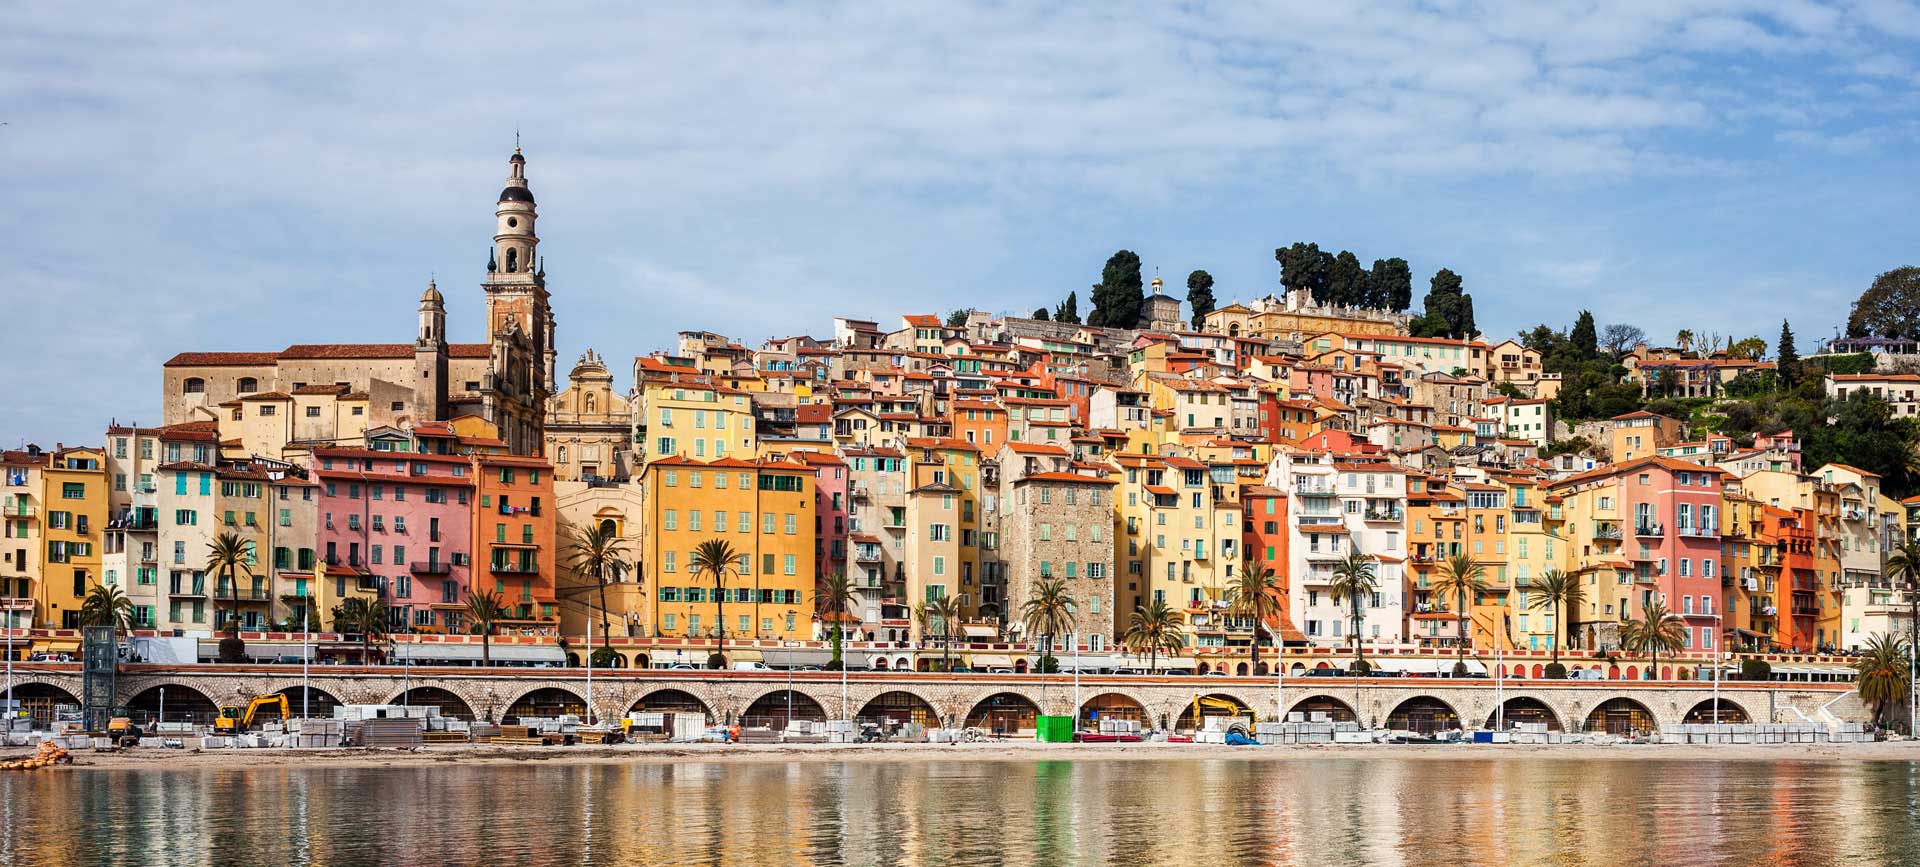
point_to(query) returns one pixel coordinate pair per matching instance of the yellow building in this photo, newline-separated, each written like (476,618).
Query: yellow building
(74,492)
(1176,529)
(1487,526)
(695,420)
(1535,547)
(942,523)
(764,509)
(20,529)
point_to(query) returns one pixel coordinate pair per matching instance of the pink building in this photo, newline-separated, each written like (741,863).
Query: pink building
(1671,511)
(403,520)
(830,513)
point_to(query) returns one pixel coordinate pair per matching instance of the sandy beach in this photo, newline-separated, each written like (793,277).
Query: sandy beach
(484,754)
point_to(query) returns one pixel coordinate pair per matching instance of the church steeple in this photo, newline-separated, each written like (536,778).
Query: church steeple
(514,243)
(520,329)
(430,357)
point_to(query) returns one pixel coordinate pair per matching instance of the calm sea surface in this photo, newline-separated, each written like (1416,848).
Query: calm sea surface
(1138,812)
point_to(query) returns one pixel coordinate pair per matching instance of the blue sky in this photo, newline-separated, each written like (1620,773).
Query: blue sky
(234,177)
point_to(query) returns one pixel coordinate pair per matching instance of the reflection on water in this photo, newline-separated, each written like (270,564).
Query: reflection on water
(1190,811)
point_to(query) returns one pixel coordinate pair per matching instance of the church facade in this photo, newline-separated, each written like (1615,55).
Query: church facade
(344,389)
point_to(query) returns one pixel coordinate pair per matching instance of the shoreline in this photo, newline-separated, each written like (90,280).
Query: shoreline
(153,759)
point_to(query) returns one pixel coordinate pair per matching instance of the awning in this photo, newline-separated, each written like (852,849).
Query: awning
(1429,666)
(471,653)
(978,630)
(982,661)
(1087,662)
(795,657)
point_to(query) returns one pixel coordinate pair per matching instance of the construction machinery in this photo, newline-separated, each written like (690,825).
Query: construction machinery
(233,720)
(1233,708)
(123,732)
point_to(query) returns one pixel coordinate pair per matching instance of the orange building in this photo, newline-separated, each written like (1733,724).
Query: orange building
(981,422)
(513,538)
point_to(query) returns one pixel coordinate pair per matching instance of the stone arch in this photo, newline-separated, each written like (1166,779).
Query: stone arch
(450,705)
(1241,670)
(182,704)
(1298,670)
(1425,715)
(775,709)
(1620,715)
(899,706)
(1527,709)
(1242,711)
(547,701)
(671,701)
(1335,709)
(41,701)
(319,703)
(1730,712)
(1114,705)
(1005,713)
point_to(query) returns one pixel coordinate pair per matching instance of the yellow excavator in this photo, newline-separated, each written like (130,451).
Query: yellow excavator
(1233,709)
(234,720)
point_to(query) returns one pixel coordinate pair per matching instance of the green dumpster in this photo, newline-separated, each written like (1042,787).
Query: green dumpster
(1055,729)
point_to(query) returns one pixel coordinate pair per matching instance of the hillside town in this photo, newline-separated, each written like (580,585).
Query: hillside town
(1196,485)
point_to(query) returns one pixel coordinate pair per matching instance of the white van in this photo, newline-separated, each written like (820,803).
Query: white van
(751,666)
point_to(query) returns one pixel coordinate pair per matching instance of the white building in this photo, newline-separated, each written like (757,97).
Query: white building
(1336,508)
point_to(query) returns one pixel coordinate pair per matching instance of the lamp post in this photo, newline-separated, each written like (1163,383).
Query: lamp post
(1716,667)
(163,704)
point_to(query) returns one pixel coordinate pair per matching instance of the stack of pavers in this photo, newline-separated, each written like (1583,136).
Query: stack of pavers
(1305,728)
(1763,733)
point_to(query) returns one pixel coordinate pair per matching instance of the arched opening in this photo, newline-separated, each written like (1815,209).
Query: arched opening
(780,707)
(1526,709)
(1233,330)
(900,663)
(1020,666)
(1423,714)
(1298,670)
(1206,667)
(1005,714)
(671,701)
(1539,671)
(1728,713)
(1241,669)
(607,525)
(1633,672)
(899,707)
(1621,716)
(1613,672)
(1214,705)
(1665,673)
(1112,706)
(560,455)
(450,705)
(513,260)
(45,703)
(172,703)
(1335,709)
(550,701)
(314,704)
(1261,670)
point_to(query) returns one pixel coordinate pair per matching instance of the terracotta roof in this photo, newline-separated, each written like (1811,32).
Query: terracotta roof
(1036,449)
(321,389)
(1068,477)
(221,359)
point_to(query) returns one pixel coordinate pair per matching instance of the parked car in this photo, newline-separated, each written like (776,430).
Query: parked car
(1327,672)
(682,666)
(50,657)
(1216,673)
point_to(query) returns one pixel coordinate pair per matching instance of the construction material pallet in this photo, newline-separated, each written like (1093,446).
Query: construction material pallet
(520,741)
(445,737)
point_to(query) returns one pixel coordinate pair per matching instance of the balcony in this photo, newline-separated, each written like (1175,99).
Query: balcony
(1649,529)
(19,510)
(514,568)
(1312,489)
(15,603)
(198,591)
(860,492)
(430,567)
(1390,515)
(1701,532)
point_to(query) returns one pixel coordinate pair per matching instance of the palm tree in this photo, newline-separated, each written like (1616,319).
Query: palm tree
(831,600)
(1353,581)
(105,605)
(1152,628)
(716,557)
(228,553)
(1904,565)
(1256,594)
(1883,674)
(598,551)
(1560,591)
(1461,578)
(1656,631)
(365,616)
(1047,613)
(484,608)
(948,609)
(1684,339)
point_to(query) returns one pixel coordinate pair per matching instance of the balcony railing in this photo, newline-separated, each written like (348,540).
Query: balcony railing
(1649,529)
(430,567)
(1385,515)
(1607,532)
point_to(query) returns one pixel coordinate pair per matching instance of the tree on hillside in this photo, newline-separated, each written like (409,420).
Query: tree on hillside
(1390,285)
(1305,266)
(1200,296)
(1890,307)
(1787,359)
(1118,296)
(1749,349)
(1620,338)
(958,317)
(1585,340)
(1549,343)
(1042,314)
(1449,309)
(1347,281)
(1069,310)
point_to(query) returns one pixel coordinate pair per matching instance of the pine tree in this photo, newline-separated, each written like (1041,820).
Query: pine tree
(1347,281)
(1786,357)
(1041,314)
(1200,296)
(1069,310)
(1585,337)
(1119,295)
(1390,285)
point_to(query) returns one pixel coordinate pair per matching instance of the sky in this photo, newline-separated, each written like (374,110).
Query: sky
(248,176)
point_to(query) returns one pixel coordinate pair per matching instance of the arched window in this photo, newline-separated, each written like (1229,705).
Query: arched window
(247,385)
(193,385)
(513,260)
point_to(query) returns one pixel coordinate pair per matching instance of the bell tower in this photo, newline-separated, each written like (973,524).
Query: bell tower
(430,357)
(519,318)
